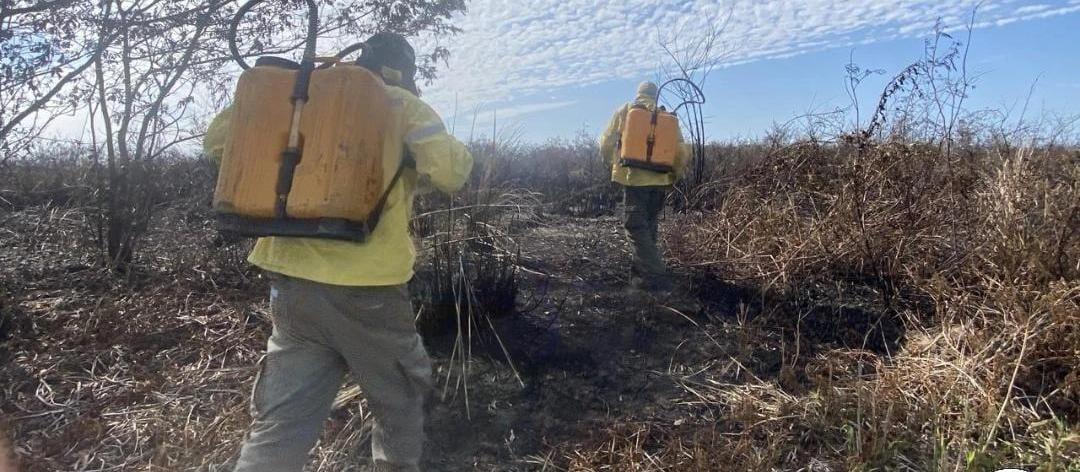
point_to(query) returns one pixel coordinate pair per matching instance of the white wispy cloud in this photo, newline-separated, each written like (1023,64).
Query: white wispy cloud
(517,50)
(1033,8)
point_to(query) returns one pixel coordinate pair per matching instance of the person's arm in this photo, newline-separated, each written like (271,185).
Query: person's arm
(609,140)
(440,158)
(214,141)
(682,157)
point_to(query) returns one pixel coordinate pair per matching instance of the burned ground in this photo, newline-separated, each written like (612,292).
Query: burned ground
(834,314)
(152,370)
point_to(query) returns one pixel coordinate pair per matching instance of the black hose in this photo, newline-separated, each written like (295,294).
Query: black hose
(233,26)
(685,102)
(350,49)
(696,126)
(309,47)
(695,118)
(344,52)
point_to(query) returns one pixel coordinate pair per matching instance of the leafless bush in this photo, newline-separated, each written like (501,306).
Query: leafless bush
(469,277)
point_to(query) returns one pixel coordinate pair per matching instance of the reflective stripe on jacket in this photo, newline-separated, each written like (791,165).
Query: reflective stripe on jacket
(632,177)
(387,257)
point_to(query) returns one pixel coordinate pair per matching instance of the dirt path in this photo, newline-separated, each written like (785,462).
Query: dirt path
(591,355)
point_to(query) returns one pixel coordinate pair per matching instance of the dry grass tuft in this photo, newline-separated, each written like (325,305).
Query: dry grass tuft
(975,256)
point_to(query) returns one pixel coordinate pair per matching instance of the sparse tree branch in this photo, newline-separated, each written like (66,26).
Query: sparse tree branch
(40,7)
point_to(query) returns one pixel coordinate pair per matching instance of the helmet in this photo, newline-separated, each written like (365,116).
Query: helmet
(647,89)
(393,51)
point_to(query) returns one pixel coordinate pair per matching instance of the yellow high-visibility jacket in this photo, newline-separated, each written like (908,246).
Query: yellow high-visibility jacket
(388,255)
(632,177)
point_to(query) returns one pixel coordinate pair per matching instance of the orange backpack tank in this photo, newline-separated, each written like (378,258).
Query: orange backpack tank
(338,184)
(650,140)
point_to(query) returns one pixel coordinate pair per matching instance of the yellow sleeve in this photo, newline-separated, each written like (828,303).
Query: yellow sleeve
(440,158)
(682,157)
(609,140)
(214,141)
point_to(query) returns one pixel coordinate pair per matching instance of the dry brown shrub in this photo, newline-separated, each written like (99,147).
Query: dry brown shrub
(976,254)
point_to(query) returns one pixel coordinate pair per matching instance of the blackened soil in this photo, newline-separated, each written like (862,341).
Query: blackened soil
(593,354)
(585,353)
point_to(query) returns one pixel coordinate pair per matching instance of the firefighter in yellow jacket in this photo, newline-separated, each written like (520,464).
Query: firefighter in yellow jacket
(643,196)
(341,306)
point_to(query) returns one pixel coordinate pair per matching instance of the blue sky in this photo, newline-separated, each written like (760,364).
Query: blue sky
(554,68)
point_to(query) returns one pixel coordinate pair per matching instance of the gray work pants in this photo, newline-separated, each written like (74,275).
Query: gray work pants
(320,331)
(642,207)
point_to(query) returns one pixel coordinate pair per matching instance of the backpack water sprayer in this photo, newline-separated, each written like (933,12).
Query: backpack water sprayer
(650,137)
(304,151)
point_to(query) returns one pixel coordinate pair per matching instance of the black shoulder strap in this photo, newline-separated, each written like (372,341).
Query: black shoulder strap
(373,219)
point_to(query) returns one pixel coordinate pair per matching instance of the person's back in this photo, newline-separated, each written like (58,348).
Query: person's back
(388,255)
(339,306)
(644,194)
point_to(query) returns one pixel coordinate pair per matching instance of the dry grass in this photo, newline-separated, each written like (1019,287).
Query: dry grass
(975,256)
(146,371)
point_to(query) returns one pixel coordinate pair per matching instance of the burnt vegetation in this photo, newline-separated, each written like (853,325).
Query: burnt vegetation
(897,293)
